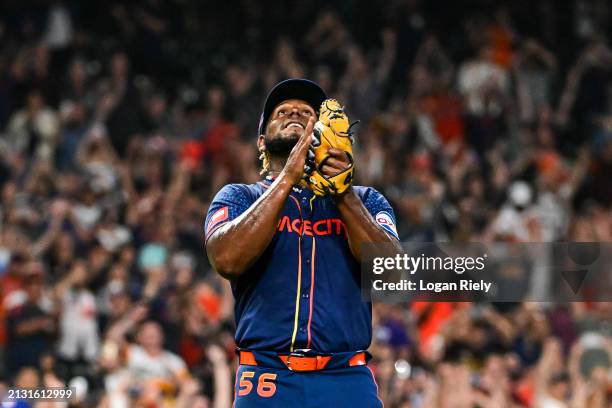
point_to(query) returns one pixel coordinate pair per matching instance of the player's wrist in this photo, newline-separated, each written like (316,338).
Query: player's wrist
(284,182)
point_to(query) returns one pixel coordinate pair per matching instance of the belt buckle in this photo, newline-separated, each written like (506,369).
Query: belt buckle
(319,360)
(295,353)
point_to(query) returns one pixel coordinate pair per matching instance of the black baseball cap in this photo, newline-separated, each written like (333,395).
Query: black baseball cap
(293,88)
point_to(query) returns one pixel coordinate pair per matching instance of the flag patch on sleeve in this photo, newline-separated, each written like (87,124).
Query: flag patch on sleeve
(218,217)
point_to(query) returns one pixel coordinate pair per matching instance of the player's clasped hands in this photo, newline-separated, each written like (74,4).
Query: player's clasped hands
(295,167)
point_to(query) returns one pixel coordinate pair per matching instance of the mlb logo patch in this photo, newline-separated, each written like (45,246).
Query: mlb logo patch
(218,217)
(385,220)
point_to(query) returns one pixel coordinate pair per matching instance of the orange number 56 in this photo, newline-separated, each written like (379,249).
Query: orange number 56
(265,385)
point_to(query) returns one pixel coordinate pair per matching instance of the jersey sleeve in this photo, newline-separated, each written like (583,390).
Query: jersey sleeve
(380,209)
(228,204)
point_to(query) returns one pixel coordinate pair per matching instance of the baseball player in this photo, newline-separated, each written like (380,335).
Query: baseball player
(290,246)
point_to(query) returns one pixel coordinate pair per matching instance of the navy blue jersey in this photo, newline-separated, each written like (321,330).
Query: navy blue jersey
(304,290)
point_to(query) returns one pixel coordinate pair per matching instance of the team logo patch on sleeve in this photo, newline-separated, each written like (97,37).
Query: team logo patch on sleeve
(218,217)
(385,220)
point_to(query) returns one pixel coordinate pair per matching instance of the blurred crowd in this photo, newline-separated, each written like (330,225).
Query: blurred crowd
(481,121)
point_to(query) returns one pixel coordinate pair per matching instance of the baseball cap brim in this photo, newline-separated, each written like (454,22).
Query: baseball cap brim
(293,88)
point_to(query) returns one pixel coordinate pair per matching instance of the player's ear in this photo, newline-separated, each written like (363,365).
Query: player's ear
(263,154)
(261,143)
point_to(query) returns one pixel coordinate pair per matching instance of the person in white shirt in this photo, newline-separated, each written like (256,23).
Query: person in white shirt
(148,361)
(78,326)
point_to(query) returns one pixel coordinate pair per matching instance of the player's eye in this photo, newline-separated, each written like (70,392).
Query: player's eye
(281,112)
(307,113)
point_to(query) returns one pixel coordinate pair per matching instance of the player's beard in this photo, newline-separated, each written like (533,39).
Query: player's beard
(281,145)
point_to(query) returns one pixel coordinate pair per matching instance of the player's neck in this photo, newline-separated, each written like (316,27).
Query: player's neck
(277,164)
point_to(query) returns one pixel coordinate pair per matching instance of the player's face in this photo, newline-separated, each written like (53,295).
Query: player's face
(286,125)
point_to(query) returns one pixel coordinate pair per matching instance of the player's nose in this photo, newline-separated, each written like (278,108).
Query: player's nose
(295,111)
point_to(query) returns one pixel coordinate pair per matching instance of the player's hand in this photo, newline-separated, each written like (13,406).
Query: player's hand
(337,162)
(294,168)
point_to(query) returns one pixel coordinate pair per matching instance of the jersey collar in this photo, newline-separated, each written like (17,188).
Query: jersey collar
(268,180)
